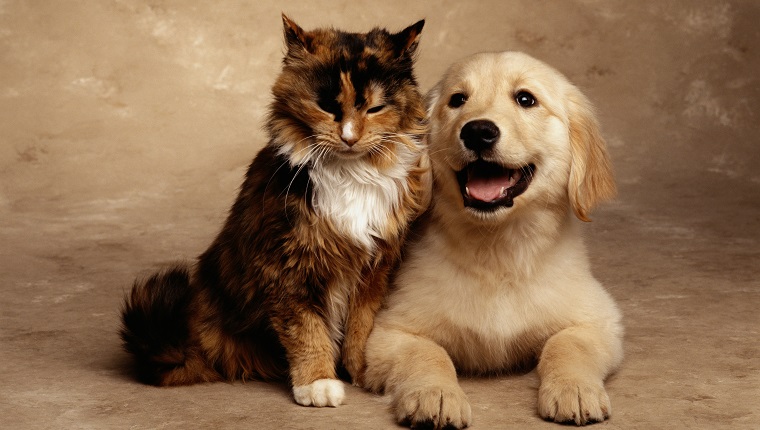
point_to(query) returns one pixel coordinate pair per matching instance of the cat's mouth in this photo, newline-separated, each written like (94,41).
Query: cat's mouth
(350,153)
(486,186)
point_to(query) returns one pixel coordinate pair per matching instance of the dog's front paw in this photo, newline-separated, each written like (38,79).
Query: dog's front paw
(569,400)
(320,393)
(433,407)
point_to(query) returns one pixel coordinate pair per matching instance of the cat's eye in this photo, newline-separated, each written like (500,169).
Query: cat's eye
(456,100)
(525,99)
(376,109)
(328,106)
(331,107)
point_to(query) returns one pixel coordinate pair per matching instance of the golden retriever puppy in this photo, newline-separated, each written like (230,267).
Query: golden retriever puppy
(498,277)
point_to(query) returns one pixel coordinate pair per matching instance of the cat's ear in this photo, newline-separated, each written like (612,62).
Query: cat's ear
(296,39)
(407,39)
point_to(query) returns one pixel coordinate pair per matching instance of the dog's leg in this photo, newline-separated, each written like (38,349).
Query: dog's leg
(572,367)
(420,378)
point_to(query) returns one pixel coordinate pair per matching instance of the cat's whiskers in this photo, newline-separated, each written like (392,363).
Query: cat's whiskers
(436,152)
(314,155)
(379,147)
(309,149)
(406,137)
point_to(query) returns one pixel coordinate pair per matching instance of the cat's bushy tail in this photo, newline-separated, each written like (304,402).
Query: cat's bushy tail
(156,330)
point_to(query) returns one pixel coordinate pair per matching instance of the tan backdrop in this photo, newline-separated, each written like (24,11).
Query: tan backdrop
(125,128)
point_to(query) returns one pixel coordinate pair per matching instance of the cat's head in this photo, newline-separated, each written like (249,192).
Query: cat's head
(346,95)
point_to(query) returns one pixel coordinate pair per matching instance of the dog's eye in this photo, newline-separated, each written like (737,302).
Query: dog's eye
(525,99)
(457,100)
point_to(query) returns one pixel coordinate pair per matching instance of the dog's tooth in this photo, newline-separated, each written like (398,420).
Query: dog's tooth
(467,190)
(514,177)
(501,193)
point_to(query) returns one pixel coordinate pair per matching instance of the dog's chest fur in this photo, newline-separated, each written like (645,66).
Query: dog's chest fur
(492,310)
(494,330)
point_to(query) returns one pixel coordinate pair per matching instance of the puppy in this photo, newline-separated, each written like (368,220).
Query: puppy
(498,277)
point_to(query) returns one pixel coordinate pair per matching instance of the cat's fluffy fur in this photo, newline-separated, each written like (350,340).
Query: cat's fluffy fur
(293,280)
(499,277)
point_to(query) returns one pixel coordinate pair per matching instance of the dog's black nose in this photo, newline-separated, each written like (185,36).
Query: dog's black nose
(479,135)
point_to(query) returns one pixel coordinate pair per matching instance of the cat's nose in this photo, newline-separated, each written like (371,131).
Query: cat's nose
(348,133)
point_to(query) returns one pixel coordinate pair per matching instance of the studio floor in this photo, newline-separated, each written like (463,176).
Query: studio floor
(126,127)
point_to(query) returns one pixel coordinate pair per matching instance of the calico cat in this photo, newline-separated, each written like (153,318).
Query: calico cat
(292,282)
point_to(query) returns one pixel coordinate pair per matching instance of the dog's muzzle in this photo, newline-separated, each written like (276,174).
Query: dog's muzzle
(487,186)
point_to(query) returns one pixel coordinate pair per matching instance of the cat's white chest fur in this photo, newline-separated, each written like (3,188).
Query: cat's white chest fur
(357,197)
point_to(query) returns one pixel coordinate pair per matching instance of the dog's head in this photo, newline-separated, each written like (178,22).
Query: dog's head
(509,132)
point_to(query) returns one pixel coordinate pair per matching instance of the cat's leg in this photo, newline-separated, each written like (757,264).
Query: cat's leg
(311,359)
(572,368)
(420,378)
(363,305)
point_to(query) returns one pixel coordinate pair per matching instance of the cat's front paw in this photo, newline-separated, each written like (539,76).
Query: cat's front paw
(573,401)
(433,407)
(320,393)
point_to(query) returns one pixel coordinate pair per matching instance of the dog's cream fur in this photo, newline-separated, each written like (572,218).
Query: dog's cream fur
(493,291)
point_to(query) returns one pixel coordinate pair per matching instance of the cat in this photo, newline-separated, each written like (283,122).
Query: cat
(291,285)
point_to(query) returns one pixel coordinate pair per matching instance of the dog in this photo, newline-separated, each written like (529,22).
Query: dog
(498,277)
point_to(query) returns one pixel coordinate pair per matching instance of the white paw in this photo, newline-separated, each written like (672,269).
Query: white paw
(322,392)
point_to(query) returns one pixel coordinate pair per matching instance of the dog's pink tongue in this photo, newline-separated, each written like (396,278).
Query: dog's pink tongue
(487,189)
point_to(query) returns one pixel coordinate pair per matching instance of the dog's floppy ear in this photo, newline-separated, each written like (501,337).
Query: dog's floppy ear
(591,179)
(431,98)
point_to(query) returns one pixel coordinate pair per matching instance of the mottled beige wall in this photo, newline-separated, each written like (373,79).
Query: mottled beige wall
(122,104)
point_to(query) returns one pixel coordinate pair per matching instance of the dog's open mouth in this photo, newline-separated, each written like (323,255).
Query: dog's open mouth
(487,186)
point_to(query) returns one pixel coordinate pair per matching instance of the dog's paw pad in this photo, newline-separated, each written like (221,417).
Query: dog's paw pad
(320,393)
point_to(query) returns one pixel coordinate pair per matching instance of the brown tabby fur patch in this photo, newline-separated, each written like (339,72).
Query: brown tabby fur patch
(261,302)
